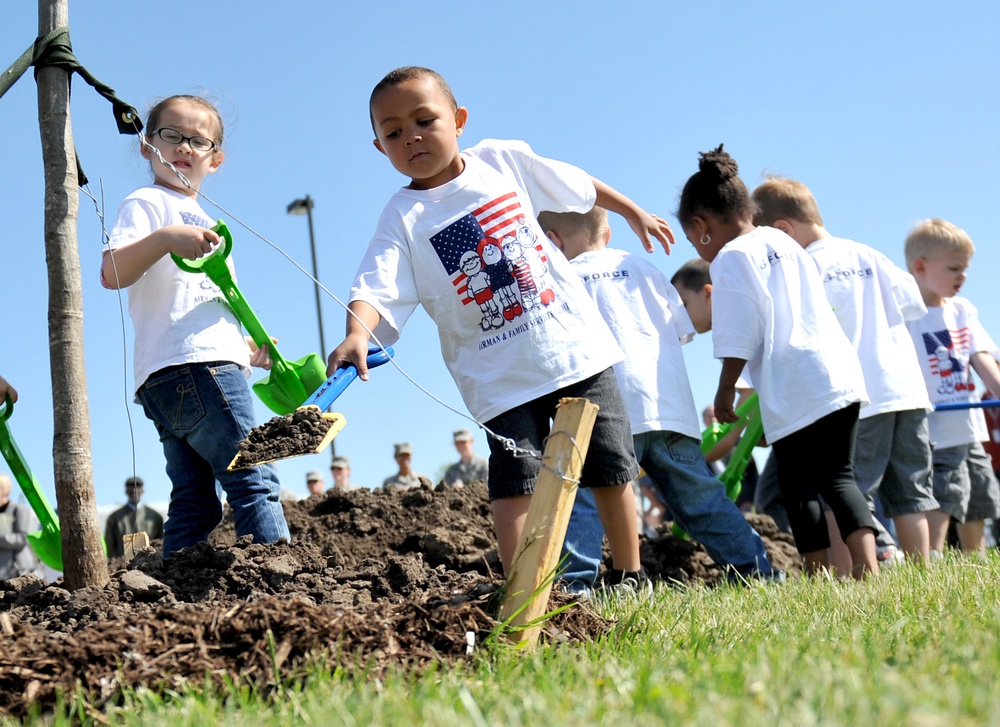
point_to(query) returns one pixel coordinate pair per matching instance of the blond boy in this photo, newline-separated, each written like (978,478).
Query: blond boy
(951,343)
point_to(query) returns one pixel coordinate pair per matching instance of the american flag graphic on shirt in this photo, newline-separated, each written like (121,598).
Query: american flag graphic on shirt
(944,350)
(496,218)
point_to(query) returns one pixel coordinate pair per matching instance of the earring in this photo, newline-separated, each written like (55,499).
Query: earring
(705,239)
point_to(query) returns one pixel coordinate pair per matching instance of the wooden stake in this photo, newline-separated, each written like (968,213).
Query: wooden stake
(132,543)
(530,581)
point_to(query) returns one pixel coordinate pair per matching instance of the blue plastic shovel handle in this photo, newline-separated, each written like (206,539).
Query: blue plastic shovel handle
(988,404)
(337,384)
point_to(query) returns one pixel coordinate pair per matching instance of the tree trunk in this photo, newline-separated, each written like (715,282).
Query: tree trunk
(83,557)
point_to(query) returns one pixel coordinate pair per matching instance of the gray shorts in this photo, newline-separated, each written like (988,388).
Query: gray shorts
(893,460)
(964,483)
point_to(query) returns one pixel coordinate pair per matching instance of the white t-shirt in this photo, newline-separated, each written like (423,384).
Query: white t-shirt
(513,319)
(178,317)
(769,308)
(945,339)
(873,299)
(648,318)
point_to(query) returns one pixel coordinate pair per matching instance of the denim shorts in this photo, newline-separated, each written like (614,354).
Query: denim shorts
(610,458)
(964,483)
(893,459)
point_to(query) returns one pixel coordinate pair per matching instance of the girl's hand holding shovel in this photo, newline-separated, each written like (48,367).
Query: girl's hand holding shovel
(260,357)
(7,390)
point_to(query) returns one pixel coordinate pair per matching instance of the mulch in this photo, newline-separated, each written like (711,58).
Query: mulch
(372,578)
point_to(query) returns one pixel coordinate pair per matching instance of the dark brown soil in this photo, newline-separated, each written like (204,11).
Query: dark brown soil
(371,577)
(291,435)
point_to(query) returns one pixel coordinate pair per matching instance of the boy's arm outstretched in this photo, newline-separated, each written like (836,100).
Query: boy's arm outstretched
(643,224)
(362,318)
(988,369)
(133,260)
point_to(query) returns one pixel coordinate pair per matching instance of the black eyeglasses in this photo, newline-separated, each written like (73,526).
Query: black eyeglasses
(173,136)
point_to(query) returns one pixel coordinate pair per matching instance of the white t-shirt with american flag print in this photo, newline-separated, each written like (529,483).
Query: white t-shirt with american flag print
(945,339)
(513,318)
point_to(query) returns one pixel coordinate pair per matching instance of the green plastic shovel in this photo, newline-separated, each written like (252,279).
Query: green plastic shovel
(290,383)
(732,476)
(47,543)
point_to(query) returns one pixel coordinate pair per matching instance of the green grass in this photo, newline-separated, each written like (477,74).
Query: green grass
(916,646)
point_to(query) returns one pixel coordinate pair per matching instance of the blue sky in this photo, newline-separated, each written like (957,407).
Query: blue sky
(888,111)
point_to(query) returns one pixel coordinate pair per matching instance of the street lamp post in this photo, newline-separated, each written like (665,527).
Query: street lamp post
(305,207)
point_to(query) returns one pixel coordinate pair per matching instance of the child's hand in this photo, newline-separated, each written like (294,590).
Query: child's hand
(260,357)
(647,225)
(7,390)
(190,242)
(353,350)
(725,411)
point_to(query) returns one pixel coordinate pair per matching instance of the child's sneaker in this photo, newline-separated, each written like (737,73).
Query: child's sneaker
(889,555)
(627,584)
(578,590)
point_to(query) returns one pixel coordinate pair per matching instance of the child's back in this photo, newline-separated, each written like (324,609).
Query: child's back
(646,315)
(769,308)
(770,314)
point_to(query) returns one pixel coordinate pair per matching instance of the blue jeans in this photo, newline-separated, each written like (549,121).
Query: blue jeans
(202,411)
(583,544)
(695,498)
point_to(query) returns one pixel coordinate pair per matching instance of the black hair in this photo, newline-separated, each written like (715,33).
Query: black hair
(408,73)
(692,275)
(715,188)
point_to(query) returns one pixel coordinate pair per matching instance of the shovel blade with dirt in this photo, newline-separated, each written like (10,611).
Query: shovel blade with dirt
(307,430)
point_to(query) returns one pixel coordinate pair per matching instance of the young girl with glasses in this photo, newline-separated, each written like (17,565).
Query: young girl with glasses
(191,358)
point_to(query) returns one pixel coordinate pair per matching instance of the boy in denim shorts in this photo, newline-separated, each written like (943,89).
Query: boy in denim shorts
(517,330)
(951,343)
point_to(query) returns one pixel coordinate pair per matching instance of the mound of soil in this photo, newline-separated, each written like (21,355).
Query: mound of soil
(374,577)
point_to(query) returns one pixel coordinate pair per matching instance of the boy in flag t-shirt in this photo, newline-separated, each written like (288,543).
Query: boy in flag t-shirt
(951,343)
(517,330)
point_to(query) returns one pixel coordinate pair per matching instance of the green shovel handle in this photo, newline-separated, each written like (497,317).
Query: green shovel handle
(22,473)
(214,266)
(716,432)
(732,476)
(222,251)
